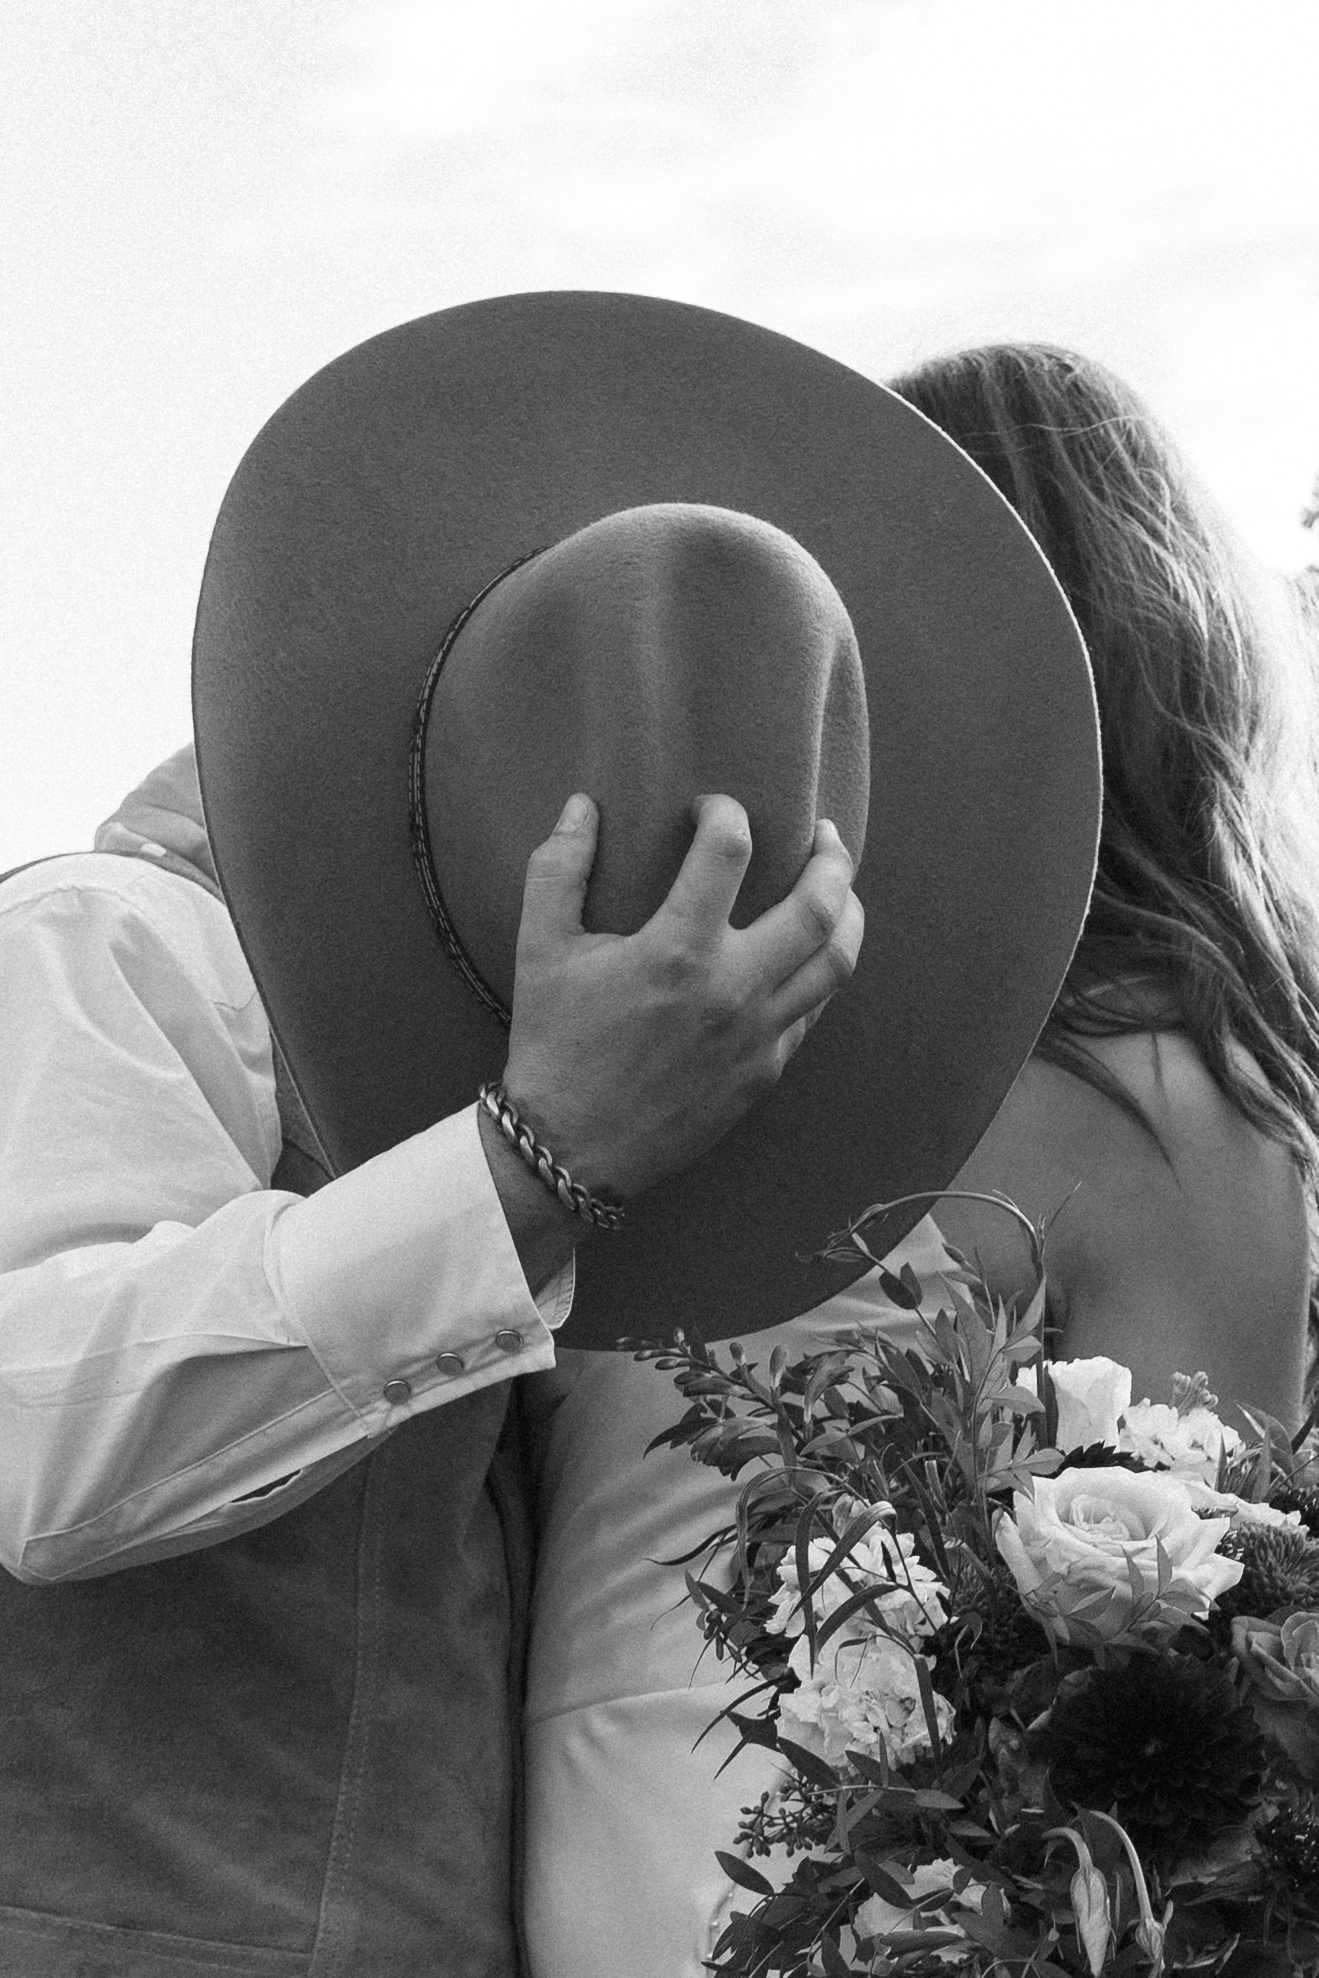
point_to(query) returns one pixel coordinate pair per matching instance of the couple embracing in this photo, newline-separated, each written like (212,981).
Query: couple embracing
(651,794)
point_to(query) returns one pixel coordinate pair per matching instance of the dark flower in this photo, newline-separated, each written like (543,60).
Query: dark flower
(985,1673)
(1012,1636)
(1099,1456)
(1281,1570)
(1298,1497)
(1290,1842)
(1164,1744)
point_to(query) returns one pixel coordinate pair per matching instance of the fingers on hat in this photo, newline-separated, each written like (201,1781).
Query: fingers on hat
(805,992)
(805,922)
(557,873)
(705,891)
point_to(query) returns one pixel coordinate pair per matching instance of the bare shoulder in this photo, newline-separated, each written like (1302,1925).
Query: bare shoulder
(1179,1245)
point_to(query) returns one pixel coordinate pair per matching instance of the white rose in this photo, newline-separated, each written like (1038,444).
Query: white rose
(1091,1395)
(906,1593)
(1189,1444)
(862,1694)
(1084,1549)
(877,1918)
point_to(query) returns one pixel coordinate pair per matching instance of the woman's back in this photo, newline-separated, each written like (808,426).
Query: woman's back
(1173,1246)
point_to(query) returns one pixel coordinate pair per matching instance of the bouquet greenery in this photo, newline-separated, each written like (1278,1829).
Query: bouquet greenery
(1042,1665)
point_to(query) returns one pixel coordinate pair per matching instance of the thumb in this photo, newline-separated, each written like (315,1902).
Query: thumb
(557,875)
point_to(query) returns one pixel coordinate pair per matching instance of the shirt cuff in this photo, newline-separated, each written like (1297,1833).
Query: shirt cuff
(403,1279)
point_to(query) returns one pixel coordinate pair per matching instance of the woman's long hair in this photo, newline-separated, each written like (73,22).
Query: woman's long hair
(1209,852)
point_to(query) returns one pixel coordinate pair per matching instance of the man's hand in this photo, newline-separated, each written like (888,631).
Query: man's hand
(631,1055)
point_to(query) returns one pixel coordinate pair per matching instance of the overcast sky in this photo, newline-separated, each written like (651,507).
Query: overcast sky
(204,200)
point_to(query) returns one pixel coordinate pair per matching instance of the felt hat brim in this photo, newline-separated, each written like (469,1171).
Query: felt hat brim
(382,496)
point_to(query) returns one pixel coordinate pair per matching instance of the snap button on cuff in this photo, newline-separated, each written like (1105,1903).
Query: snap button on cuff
(397,1390)
(449,1363)
(509,1341)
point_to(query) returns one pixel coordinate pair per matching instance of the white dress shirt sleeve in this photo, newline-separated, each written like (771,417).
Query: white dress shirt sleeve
(185,1352)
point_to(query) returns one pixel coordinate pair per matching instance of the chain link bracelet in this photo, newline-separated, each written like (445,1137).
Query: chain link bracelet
(594,1209)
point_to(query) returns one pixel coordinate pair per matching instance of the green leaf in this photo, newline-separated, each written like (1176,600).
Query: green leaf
(808,1764)
(927,1705)
(825,1373)
(1019,1400)
(904,1291)
(856,1604)
(845,1546)
(741,1872)
(755,1730)
(802,1556)
(877,1770)
(836,1449)
(881,1883)
(834,1963)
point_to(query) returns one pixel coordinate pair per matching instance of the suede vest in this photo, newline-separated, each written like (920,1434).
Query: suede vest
(292,1754)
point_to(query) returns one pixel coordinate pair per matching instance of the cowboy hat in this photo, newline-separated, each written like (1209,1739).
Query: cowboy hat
(375,506)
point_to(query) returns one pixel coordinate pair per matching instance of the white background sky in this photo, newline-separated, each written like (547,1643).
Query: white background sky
(201,201)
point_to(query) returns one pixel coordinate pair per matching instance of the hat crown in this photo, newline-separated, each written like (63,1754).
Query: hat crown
(660,653)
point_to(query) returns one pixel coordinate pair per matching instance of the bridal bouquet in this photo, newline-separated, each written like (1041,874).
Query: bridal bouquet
(1042,1665)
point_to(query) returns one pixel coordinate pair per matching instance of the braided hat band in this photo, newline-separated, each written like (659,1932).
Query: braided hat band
(423,857)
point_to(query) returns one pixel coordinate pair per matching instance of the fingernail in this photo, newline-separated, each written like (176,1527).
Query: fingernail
(575,813)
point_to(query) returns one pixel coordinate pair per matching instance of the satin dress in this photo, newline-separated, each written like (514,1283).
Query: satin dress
(624,1807)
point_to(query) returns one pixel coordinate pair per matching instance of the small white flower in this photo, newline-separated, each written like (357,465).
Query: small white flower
(1091,1395)
(862,1695)
(908,1596)
(1189,1444)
